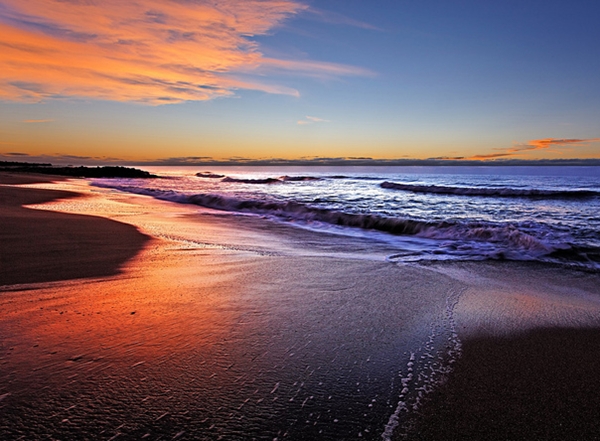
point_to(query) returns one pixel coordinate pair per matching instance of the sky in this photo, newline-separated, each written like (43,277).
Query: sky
(188,81)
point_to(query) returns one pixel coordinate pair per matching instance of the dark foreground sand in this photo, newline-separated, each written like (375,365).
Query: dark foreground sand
(44,246)
(542,385)
(148,351)
(530,364)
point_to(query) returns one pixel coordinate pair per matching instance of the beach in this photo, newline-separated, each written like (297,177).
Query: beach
(126,317)
(66,247)
(529,361)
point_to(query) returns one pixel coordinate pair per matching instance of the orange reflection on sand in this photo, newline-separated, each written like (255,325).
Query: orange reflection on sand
(175,299)
(169,304)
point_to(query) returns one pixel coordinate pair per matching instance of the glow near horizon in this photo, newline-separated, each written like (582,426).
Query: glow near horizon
(288,79)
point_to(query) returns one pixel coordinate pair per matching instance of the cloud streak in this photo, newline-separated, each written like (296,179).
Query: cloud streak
(312,120)
(521,149)
(205,161)
(340,19)
(153,52)
(546,143)
(36,121)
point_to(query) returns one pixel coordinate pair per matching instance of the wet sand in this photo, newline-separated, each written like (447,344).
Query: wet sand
(217,329)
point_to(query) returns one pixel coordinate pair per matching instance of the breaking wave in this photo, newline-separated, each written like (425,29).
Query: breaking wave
(284,178)
(267,180)
(493,192)
(299,178)
(482,240)
(209,175)
(251,181)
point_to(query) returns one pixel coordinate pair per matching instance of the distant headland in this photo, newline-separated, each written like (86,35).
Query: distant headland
(78,172)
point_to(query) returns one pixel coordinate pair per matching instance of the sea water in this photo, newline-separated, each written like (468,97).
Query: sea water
(547,214)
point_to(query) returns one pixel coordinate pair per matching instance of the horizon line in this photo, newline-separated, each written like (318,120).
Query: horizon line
(326,162)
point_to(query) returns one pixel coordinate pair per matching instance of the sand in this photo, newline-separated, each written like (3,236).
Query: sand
(42,246)
(539,385)
(220,327)
(530,358)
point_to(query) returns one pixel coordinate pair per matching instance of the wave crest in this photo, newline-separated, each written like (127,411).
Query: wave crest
(506,240)
(209,175)
(251,181)
(493,192)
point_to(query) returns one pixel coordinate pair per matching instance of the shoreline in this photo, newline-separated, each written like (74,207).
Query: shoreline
(215,309)
(529,358)
(43,246)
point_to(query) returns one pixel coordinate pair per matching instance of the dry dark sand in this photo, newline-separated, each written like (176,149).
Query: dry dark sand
(542,385)
(530,366)
(43,246)
(8,178)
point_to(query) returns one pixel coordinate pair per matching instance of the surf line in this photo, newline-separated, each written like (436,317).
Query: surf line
(427,368)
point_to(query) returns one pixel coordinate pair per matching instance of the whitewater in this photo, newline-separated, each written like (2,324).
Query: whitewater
(547,214)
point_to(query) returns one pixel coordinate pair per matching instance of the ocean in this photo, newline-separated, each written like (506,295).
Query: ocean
(545,214)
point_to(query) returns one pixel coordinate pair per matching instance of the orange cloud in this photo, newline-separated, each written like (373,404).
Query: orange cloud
(34,121)
(534,144)
(155,51)
(490,156)
(545,143)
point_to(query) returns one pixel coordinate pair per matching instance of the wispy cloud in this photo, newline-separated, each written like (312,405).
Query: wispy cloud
(36,121)
(184,160)
(488,156)
(340,19)
(155,51)
(312,120)
(318,69)
(522,149)
(546,143)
